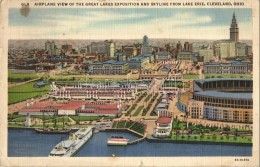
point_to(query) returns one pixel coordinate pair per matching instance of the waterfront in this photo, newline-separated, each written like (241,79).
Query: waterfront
(28,143)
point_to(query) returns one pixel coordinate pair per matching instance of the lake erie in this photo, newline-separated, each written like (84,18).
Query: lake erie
(28,143)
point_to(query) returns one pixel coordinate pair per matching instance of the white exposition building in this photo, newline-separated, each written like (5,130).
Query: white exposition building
(163,125)
(97,92)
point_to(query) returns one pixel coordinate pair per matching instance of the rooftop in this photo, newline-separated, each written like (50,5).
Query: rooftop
(222,79)
(72,105)
(164,120)
(232,95)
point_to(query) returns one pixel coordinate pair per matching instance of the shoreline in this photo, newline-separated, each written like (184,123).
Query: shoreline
(198,142)
(150,140)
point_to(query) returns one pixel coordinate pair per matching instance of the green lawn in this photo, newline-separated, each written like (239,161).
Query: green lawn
(59,119)
(85,118)
(212,138)
(14,116)
(227,76)
(139,109)
(148,97)
(23,92)
(175,84)
(20,119)
(121,124)
(131,109)
(13,77)
(138,127)
(190,76)
(180,125)
(141,97)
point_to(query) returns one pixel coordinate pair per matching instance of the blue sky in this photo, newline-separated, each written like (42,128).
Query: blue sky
(128,23)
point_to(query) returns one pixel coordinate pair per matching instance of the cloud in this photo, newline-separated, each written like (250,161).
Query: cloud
(112,24)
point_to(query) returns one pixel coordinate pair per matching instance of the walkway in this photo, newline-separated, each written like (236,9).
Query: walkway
(153,105)
(22,83)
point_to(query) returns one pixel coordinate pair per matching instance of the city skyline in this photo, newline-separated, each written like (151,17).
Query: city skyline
(115,23)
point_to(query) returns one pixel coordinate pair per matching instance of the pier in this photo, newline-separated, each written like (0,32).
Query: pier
(137,141)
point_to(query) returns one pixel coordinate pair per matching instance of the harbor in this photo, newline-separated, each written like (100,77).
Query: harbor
(40,145)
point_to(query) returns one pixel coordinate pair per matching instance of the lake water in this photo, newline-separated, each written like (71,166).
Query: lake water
(28,143)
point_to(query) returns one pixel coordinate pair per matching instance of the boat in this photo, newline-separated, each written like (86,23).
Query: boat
(117,141)
(52,130)
(73,144)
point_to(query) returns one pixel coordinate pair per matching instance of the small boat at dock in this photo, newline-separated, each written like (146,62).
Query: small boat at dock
(117,141)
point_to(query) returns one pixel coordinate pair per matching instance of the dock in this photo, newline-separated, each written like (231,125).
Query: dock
(136,141)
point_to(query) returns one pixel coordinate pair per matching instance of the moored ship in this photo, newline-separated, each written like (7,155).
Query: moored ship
(117,141)
(70,147)
(52,130)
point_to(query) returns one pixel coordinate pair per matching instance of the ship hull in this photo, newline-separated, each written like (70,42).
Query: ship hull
(117,142)
(44,131)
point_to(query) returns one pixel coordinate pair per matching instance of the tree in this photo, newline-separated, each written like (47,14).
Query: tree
(235,138)
(201,136)
(227,136)
(214,137)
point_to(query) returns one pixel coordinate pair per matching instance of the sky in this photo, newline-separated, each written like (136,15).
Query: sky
(128,23)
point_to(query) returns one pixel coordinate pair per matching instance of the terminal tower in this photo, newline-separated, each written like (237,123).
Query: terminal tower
(234,30)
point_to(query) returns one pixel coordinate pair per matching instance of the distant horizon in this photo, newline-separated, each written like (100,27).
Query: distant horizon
(129,23)
(135,39)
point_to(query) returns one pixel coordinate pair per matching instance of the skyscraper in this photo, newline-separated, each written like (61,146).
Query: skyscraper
(145,41)
(234,30)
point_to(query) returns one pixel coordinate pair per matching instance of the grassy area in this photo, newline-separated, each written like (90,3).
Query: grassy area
(20,119)
(14,116)
(73,72)
(131,109)
(154,113)
(138,127)
(146,109)
(228,76)
(85,118)
(226,139)
(129,124)
(139,109)
(59,119)
(175,84)
(121,124)
(141,97)
(179,125)
(148,98)
(13,77)
(190,76)
(26,91)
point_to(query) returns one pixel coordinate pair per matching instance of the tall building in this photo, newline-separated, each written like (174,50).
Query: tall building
(112,48)
(102,47)
(187,47)
(66,48)
(207,54)
(51,48)
(234,30)
(178,47)
(145,41)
